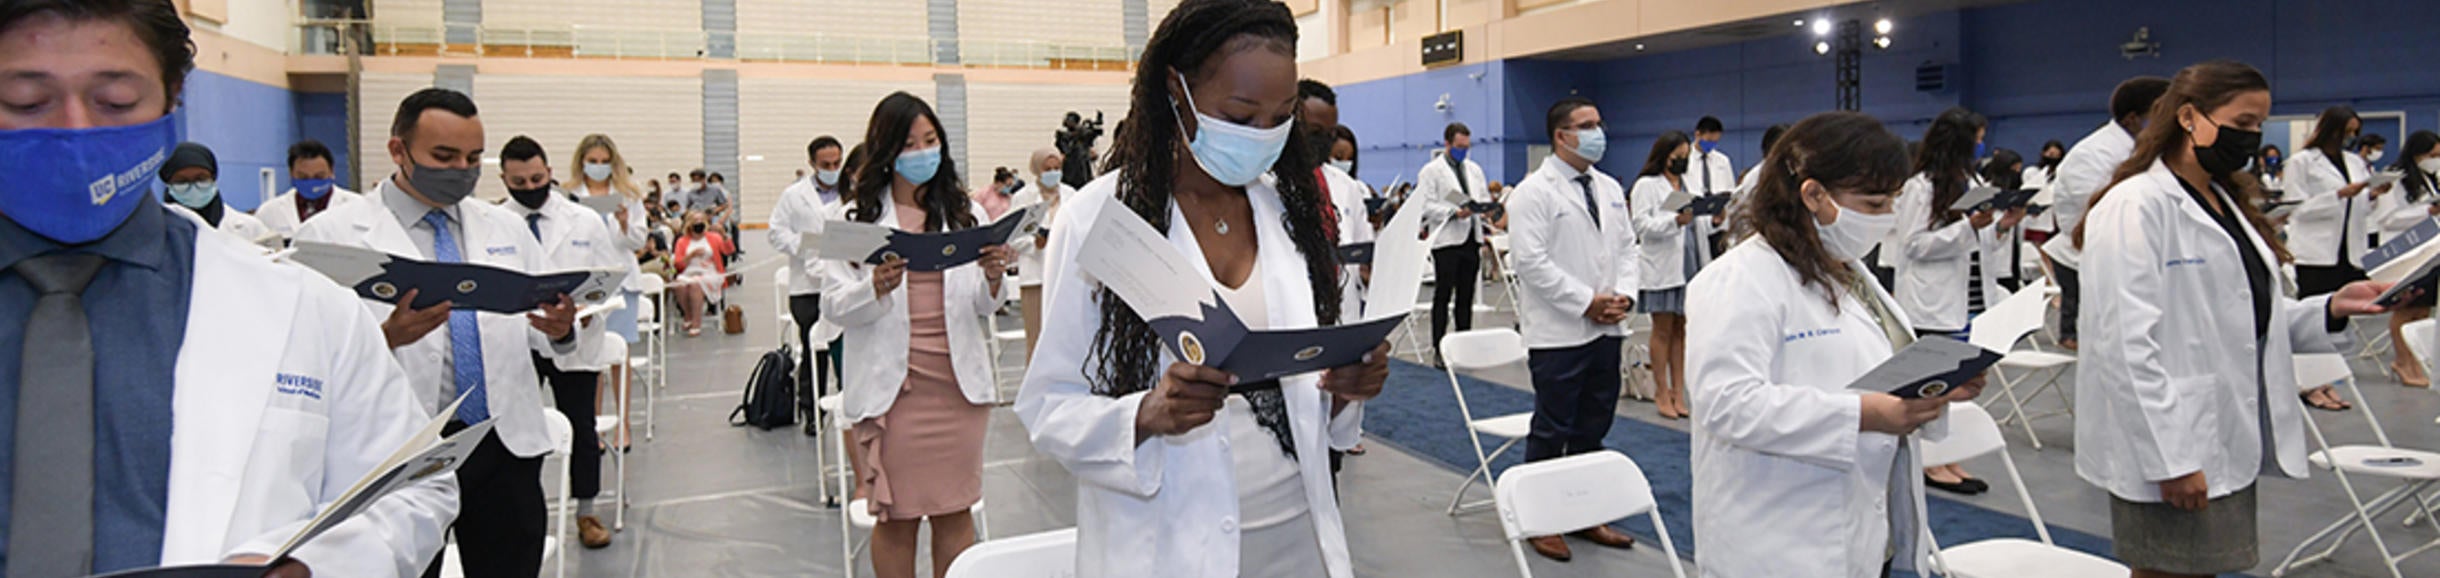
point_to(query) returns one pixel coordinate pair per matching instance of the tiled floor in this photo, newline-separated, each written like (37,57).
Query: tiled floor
(709,499)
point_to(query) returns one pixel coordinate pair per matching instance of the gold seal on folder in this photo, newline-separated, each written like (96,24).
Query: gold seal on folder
(1307,354)
(385,290)
(466,286)
(1191,347)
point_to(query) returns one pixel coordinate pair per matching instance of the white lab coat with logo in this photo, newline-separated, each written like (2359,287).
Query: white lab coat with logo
(1933,262)
(2172,380)
(1563,259)
(280,213)
(800,212)
(2312,232)
(574,238)
(1722,174)
(251,464)
(1168,507)
(878,354)
(1432,184)
(1784,483)
(491,236)
(628,239)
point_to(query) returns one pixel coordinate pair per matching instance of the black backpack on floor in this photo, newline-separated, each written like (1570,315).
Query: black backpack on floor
(770,401)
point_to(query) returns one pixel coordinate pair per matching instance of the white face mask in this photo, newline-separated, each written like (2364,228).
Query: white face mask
(2374,157)
(2429,165)
(1854,233)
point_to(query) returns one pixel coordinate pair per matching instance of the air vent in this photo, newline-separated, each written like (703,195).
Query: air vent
(1745,31)
(1931,77)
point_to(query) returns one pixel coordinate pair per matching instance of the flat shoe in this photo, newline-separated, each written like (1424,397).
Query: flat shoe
(1977,485)
(1959,488)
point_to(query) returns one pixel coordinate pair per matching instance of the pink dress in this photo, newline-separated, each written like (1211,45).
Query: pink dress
(925,456)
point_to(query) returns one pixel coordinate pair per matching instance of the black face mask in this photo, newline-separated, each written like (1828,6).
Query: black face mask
(2048,161)
(1677,166)
(2235,148)
(531,198)
(699,229)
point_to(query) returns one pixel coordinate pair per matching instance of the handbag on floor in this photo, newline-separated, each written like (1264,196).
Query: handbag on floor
(770,401)
(733,320)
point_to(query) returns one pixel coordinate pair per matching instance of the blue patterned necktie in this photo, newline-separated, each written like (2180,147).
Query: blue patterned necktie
(1585,184)
(465,339)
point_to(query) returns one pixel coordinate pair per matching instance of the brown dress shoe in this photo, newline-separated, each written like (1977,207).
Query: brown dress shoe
(1606,536)
(592,533)
(1552,547)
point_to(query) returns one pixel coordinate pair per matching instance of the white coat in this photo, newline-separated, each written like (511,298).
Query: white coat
(1029,254)
(1662,239)
(2170,379)
(2313,231)
(1563,259)
(253,461)
(491,236)
(800,212)
(1716,167)
(1432,184)
(628,239)
(2088,166)
(1354,225)
(280,213)
(1785,484)
(1168,507)
(2393,214)
(1933,261)
(574,238)
(239,224)
(879,325)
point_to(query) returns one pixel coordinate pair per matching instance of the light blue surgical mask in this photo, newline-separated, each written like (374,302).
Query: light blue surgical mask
(76,185)
(1591,143)
(827,177)
(597,171)
(195,195)
(1233,154)
(918,166)
(1050,179)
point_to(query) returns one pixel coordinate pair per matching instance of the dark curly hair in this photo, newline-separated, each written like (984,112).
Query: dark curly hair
(1148,149)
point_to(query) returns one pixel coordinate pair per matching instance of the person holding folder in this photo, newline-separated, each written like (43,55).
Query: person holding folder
(1457,232)
(921,391)
(573,238)
(1795,466)
(427,211)
(2178,397)
(1675,246)
(2332,227)
(1948,258)
(1182,470)
(276,384)
(2415,202)
(1574,244)
(802,209)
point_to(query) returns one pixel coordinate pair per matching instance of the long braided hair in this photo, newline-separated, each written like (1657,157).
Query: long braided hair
(1146,154)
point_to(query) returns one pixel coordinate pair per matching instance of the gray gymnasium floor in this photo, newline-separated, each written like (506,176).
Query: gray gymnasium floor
(713,500)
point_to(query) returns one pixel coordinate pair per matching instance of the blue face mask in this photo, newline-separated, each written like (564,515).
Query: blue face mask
(195,195)
(1591,143)
(1979,150)
(1707,145)
(1459,154)
(1050,179)
(827,177)
(918,166)
(76,185)
(1233,154)
(315,189)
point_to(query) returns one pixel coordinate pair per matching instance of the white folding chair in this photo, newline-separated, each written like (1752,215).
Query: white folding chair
(563,441)
(779,306)
(1507,273)
(1558,496)
(856,513)
(1973,434)
(997,345)
(2418,470)
(650,326)
(1635,367)
(606,426)
(1999,329)
(1479,350)
(1049,554)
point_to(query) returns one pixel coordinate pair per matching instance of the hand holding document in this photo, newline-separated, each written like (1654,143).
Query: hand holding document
(1928,369)
(870,243)
(1356,253)
(384,277)
(426,456)
(2409,262)
(1126,255)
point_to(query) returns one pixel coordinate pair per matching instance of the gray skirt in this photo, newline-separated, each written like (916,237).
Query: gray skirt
(2157,536)
(1671,300)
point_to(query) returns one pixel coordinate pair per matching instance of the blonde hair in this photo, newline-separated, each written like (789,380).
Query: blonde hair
(621,179)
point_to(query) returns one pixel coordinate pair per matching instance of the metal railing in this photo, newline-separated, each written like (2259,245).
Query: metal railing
(331,37)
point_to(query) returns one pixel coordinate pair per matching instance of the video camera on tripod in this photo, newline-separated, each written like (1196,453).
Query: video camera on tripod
(1075,140)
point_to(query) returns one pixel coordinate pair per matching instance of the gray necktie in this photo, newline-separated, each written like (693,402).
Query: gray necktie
(50,525)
